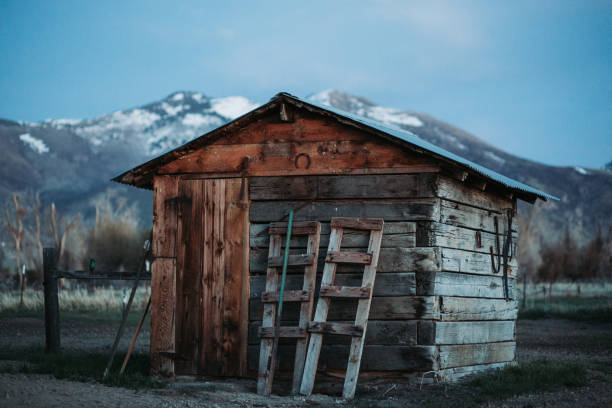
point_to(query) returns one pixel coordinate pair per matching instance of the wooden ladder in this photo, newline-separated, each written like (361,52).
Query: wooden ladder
(357,331)
(270,298)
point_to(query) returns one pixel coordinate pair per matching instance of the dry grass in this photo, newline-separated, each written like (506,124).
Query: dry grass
(103,300)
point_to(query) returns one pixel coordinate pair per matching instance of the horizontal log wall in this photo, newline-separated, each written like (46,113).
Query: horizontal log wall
(435,285)
(475,329)
(401,200)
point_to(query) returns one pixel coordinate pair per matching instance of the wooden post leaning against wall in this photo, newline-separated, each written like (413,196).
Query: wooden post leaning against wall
(52,329)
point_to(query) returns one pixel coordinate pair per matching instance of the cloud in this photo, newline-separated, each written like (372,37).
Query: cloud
(447,21)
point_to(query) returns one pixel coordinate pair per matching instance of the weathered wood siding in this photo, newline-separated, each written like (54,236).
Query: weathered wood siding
(475,329)
(401,200)
(306,146)
(199,282)
(437,302)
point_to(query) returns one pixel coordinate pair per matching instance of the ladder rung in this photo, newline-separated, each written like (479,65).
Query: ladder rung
(284,331)
(346,329)
(345,291)
(288,296)
(294,260)
(298,228)
(349,257)
(358,223)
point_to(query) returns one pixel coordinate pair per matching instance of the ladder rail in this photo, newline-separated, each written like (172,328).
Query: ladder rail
(357,331)
(271,329)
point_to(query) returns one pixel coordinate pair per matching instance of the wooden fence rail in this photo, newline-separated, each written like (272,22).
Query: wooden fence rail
(51,300)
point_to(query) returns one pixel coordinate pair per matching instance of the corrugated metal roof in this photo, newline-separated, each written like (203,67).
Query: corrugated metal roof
(413,139)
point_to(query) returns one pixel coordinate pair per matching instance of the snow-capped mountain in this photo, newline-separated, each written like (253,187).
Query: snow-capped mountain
(71,160)
(158,126)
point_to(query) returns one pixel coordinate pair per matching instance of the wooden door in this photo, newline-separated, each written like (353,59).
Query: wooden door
(212,277)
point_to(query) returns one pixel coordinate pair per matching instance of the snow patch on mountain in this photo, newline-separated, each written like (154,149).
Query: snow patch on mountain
(495,157)
(199,120)
(393,116)
(172,110)
(232,107)
(581,171)
(322,98)
(33,143)
(198,97)
(62,123)
(365,108)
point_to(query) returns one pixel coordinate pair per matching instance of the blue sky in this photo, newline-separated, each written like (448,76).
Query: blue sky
(531,77)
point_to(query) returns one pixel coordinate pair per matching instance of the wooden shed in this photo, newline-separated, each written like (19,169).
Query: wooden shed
(440,303)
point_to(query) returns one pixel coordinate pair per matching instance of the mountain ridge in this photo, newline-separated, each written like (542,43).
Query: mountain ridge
(71,160)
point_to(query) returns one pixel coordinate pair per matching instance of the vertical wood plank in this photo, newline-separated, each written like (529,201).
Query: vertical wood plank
(207,356)
(246,282)
(165,190)
(218,270)
(233,277)
(163,292)
(189,267)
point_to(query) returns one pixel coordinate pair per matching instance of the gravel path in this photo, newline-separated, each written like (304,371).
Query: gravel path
(553,339)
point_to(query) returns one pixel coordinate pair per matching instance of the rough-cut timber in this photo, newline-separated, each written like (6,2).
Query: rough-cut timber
(438,305)
(163,293)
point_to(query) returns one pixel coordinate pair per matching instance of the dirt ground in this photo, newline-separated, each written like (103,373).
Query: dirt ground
(552,339)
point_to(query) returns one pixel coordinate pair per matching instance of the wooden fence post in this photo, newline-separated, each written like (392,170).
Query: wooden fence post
(52,329)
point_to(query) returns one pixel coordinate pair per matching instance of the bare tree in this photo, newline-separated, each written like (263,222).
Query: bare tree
(15,228)
(526,247)
(61,230)
(36,234)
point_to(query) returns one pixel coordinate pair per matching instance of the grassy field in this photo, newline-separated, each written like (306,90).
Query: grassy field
(594,304)
(104,305)
(533,377)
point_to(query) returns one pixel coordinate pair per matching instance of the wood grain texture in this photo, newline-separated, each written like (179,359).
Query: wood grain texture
(310,276)
(383,308)
(396,234)
(304,296)
(457,260)
(474,332)
(165,191)
(265,368)
(344,329)
(451,236)
(343,187)
(460,284)
(282,158)
(361,318)
(163,297)
(324,211)
(189,270)
(460,308)
(357,292)
(388,284)
(474,354)
(466,216)
(232,246)
(349,257)
(374,358)
(380,332)
(321,314)
(457,373)
(454,190)
(391,260)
